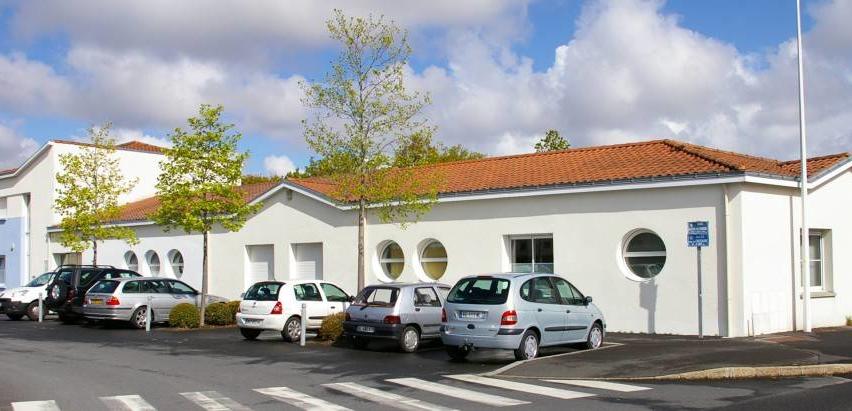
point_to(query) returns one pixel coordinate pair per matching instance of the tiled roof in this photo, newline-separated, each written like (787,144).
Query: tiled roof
(141,210)
(621,162)
(128,146)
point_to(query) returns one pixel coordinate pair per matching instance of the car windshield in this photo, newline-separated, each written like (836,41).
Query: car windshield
(377,296)
(263,292)
(104,287)
(480,290)
(40,280)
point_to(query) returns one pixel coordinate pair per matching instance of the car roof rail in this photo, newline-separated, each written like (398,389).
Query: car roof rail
(85,265)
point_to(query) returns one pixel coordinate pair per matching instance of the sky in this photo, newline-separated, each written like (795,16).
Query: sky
(500,73)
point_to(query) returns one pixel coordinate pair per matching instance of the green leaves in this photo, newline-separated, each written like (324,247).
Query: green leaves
(551,141)
(88,191)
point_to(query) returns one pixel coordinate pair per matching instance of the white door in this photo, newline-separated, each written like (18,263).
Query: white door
(260,265)
(307,261)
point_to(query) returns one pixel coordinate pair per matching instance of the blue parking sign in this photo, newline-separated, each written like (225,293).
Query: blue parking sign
(698,234)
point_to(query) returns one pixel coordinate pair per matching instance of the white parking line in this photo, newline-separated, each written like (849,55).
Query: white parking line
(127,403)
(35,406)
(603,385)
(384,398)
(300,400)
(519,386)
(213,401)
(450,391)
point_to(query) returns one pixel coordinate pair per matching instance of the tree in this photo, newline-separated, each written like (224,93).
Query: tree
(89,187)
(362,112)
(551,141)
(198,186)
(418,149)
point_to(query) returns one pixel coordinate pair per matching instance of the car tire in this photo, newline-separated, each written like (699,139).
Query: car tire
(250,334)
(67,318)
(32,311)
(292,329)
(360,343)
(528,348)
(15,317)
(409,340)
(595,337)
(57,293)
(457,353)
(139,317)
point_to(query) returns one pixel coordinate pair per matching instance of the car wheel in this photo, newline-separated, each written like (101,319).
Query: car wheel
(292,329)
(595,339)
(15,317)
(250,333)
(67,318)
(528,349)
(409,340)
(139,318)
(57,293)
(457,353)
(32,311)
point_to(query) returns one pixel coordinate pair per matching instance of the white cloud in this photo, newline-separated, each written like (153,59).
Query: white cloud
(14,147)
(278,165)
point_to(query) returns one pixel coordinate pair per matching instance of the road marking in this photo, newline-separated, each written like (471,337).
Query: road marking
(519,386)
(604,385)
(213,401)
(384,398)
(35,406)
(127,403)
(450,391)
(300,400)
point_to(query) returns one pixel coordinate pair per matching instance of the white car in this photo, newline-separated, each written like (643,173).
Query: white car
(17,302)
(277,306)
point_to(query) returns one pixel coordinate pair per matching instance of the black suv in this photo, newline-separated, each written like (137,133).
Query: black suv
(65,295)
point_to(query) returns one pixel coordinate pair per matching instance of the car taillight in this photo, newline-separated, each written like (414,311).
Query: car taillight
(392,319)
(509,318)
(348,317)
(443,315)
(278,309)
(113,301)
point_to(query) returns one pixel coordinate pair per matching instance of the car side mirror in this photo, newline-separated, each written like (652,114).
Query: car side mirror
(350,299)
(587,300)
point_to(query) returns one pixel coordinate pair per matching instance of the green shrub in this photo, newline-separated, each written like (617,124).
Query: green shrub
(218,314)
(184,315)
(233,306)
(332,327)
(849,320)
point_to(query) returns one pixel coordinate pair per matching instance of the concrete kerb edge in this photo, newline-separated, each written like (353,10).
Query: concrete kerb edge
(517,363)
(731,373)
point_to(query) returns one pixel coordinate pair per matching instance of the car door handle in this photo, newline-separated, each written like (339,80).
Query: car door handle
(417,309)
(539,310)
(567,311)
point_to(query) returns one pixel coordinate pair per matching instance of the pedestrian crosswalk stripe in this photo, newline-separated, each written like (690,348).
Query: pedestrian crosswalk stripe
(35,406)
(519,386)
(604,385)
(213,401)
(300,400)
(384,397)
(450,391)
(127,403)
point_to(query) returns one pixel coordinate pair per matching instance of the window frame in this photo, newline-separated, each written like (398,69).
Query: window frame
(128,258)
(823,261)
(383,261)
(436,302)
(533,263)
(151,255)
(328,298)
(177,268)
(303,285)
(625,255)
(426,260)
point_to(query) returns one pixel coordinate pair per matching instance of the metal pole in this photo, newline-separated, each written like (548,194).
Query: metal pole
(40,307)
(304,324)
(803,181)
(700,299)
(148,315)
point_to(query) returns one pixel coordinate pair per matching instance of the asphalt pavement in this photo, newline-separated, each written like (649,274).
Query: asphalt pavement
(74,367)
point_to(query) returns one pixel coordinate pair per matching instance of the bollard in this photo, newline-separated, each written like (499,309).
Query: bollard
(304,324)
(148,315)
(40,307)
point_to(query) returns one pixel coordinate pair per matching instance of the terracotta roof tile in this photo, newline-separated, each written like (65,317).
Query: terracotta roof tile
(621,162)
(128,146)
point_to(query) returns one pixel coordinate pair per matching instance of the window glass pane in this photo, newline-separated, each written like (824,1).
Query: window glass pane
(393,251)
(646,267)
(104,287)
(522,251)
(307,292)
(434,260)
(86,276)
(154,264)
(263,292)
(181,288)
(435,270)
(131,287)
(644,242)
(65,275)
(816,274)
(155,287)
(332,293)
(543,292)
(426,297)
(543,248)
(480,291)
(565,292)
(444,292)
(435,250)
(814,246)
(177,263)
(392,260)
(36,282)
(132,261)
(645,254)
(378,296)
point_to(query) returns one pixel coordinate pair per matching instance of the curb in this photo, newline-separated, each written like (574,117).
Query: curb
(733,373)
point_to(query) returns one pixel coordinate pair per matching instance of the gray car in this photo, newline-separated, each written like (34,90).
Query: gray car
(126,299)
(519,312)
(407,313)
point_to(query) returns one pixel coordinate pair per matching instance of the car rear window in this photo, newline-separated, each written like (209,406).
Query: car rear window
(263,292)
(104,287)
(377,296)
(480,290)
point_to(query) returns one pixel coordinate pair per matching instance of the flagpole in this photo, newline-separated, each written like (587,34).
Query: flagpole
(803,181)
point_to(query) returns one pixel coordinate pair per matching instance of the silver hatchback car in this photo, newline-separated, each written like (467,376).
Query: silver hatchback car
(407,313)
(126,299)
(519,312)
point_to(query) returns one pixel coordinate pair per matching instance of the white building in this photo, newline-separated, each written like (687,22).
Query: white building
(611,219)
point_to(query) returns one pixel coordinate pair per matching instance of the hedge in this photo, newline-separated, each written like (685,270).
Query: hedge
(218,314)
(332,327)
(184,315)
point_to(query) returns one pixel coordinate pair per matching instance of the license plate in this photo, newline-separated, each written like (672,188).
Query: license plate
(365,329)
(97,301)
(472,315)
(253,320)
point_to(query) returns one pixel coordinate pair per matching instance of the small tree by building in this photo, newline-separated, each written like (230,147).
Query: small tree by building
(551,141)
(363,112)
(198,187)
(89,186)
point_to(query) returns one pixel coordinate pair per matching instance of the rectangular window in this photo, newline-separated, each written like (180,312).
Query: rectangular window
(819,259)
(3,270)
(532,253)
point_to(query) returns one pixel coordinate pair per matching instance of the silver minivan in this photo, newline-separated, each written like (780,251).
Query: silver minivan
(126,299)
(519,312)
(407,313)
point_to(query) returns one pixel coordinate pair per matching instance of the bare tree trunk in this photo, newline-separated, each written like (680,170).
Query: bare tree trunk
(203,302)
(362,226)
(94,252)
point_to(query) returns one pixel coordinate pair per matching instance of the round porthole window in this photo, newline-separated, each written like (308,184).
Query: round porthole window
(644,254)
(433,259)
(392,260)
